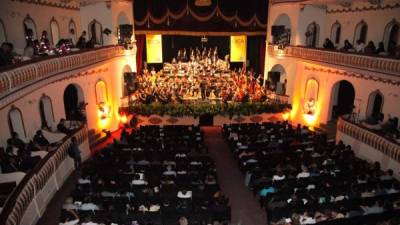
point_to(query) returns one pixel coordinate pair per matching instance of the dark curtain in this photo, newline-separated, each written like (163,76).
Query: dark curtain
(189,17)
(256,53)
(140,45)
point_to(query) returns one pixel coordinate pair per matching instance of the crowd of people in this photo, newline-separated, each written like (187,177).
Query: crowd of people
(238,86)
(42,47)
(361,47)
(155,175)
(300,177)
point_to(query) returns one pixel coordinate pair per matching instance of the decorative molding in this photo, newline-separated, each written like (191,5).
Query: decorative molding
(376,64)
(350,74)
(50,4)
(373,7)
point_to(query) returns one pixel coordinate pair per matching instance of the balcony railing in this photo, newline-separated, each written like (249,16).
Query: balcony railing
(32,184)
(21,76)
(359,61)
(378,142)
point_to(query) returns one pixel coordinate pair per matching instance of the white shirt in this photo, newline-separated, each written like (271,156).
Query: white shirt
(303,175)
(187,195)
(72,222)
(88,206)
(307,220)
(277,177)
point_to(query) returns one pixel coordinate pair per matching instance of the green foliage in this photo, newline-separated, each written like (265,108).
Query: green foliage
(196,110)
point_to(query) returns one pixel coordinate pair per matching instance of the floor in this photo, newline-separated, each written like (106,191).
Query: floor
(245,209)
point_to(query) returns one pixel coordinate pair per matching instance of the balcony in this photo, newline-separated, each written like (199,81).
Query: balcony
(386,146)
(33,74)
(374,63)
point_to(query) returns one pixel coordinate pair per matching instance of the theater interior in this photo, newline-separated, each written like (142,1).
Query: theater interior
(200,112)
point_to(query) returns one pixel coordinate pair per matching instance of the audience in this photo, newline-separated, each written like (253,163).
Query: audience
(158,175)
(307,179)
(328,44)
(6,54)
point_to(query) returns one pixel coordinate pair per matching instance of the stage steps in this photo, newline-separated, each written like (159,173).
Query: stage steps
(96,137)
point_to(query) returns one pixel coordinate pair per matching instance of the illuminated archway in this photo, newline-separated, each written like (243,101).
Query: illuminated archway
(104,106)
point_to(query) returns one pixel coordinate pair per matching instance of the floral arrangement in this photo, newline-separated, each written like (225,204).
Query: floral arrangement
(199,109)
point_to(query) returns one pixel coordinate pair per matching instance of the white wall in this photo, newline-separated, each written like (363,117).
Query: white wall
(13,13)
(111,73)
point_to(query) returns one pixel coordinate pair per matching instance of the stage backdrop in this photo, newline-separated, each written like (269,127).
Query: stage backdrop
(255,49)
(154,48)
(238,48)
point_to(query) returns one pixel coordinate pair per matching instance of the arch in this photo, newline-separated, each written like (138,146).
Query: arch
(375,105)
(284,20)
(16,122)
(96,32)
(391,36)
(46,111)
(312,35)
(122,18)
(101,92)
(30,28)
(3,34)
(277,78)
(72,32)
(73,99)
(361,32)
(54,31)
(336,31)
(311,96)
(342,99)
(127,80)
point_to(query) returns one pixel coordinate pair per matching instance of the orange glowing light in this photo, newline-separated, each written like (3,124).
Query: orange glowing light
(123,119)
(285,116)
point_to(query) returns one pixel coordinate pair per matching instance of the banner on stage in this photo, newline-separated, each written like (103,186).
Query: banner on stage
(238,48)
(154,48)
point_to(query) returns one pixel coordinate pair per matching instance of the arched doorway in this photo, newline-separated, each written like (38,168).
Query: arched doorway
(16,122)
(342,99)
(281,29)
(73,102)
(277,79)
(392,35)
(336,32)
(3,35)
(46,112)
(312,35)
(361,32)
(375,103)
(72,31)
(55,31)
(96,32)
(29,29)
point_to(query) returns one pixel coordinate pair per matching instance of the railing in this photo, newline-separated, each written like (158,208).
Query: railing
(378,142)
(26,191)
(374,63)
(22,75)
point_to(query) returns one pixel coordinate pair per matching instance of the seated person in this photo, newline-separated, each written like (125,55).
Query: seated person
(40,141)
(328,44)
(61,126)
(15,141)
(370,48)
(347,46)
(69,217)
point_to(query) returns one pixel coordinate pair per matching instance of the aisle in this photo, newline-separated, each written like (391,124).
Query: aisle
(245,208)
